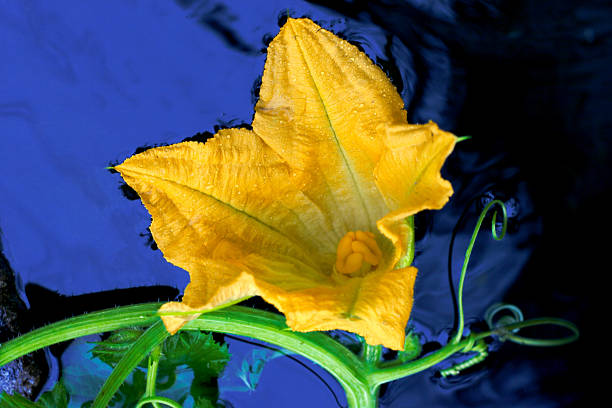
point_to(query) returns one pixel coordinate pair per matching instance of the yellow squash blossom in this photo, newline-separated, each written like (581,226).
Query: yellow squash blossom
(308,209)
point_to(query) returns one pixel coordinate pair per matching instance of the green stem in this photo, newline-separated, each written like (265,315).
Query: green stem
(91,323)
(318,347)
(151,338)
(152,374)
(393,372)
(468,253)
(350,372)
(157,399)
(359,379)
(371,354)
(16,401)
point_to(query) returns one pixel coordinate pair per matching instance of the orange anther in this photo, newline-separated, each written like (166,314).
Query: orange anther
(361,248)
(353,263)
(354,249)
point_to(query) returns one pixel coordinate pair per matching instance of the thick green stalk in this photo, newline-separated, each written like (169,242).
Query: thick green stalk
(370,355)
(91,323)
(350,372)
(359,378)
(265,326)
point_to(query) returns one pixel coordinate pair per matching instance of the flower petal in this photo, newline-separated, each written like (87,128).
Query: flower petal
(376,306)
(230,200)
(323,107)
(213,283)
(408,176)
(225,199)
(261,212)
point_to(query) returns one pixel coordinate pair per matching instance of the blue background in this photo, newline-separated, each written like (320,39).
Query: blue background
(83,84)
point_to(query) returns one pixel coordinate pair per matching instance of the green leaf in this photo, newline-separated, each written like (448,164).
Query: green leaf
(116,345)
(198,351)
(190,360)
(203,403)
(412,347)
(250,372)
(56,398)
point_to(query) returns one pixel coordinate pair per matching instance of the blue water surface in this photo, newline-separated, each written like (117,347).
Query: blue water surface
(84,84)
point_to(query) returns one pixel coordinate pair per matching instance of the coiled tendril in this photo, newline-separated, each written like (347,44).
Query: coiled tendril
(507,326)
(468,253)
(479,347)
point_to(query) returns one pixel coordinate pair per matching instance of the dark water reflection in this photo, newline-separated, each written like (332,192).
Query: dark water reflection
(90,83)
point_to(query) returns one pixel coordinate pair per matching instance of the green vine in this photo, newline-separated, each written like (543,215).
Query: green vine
(360,376)
(468,254)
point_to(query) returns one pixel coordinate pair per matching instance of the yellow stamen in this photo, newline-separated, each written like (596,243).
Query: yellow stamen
(353,263)
(368,239)
(354,249)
